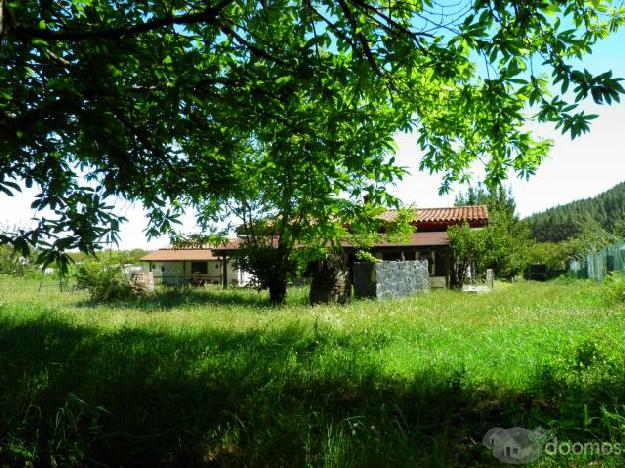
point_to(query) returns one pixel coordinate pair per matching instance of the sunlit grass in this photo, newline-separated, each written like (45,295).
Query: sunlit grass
(220,377)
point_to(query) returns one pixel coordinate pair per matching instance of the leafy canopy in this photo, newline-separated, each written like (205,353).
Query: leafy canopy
(176,103)
(506,241)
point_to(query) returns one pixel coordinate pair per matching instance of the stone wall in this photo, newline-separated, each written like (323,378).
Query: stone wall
(390,279)
(142,281)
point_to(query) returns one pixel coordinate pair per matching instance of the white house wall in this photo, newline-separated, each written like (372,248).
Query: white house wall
(178,272)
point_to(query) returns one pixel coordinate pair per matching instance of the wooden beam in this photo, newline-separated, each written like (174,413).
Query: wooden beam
(224,277)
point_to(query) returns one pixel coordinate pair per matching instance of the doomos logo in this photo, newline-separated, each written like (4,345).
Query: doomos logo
(516,446)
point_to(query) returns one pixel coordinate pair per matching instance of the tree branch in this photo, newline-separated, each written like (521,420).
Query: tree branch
(228,31)
(340,34)
(53,56)
(393,26)
(209,15)
(362,40)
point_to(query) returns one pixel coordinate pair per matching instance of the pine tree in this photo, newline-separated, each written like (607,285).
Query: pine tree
(564,222)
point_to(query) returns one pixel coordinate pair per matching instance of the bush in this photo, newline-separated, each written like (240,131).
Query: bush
(364,256)
(105,281)
(614,288)
(11,263)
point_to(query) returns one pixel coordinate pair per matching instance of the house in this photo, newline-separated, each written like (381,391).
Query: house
(429,242)
(176,266)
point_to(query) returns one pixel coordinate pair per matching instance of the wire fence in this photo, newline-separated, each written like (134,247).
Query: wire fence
(598,265)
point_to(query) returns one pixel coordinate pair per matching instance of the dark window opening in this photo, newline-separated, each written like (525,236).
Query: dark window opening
(391,256)
(441,266)
(199,267)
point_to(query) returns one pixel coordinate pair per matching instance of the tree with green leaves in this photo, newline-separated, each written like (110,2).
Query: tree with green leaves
(469,251)
(11,263)
(590,239)
(506,239)
(618,228)
(177,103)
(498,199)
(499,246)
(508,246)
(566,221)
(314,173)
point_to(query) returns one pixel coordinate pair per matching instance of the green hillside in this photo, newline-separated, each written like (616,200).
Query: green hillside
(565,221)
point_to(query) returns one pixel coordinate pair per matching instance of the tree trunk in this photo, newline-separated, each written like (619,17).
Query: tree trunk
(277,288)
(458,272)
(331,282)
(278,277)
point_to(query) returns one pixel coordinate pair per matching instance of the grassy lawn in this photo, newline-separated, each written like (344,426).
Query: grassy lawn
(221,378)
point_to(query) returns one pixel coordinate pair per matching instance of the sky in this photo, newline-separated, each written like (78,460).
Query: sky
(576,169)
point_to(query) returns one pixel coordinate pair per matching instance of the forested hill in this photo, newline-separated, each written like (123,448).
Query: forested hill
(564,221)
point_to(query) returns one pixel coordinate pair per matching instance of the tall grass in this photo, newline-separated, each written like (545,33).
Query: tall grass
(214,377)
(614,288)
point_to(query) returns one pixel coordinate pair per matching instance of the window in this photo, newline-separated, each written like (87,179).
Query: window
(199,267)
(391,256)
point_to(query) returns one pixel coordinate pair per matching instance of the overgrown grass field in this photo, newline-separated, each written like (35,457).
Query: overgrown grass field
(213,377)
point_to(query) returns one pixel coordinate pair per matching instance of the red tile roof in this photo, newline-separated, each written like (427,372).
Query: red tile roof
(431,225)
(170,254)
(234,244)
(451,215)
(207,253)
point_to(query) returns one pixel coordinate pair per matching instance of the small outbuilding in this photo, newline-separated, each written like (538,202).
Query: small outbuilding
(197,266)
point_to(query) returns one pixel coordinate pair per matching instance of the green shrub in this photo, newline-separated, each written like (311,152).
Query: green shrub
(364,256)
(104,280)
(614,288)
(11,263)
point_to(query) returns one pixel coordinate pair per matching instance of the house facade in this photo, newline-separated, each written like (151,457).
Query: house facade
(430,242)
(178,266)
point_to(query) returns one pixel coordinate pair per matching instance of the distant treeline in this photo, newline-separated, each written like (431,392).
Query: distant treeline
(125,256)
(12,263)
(562,222)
